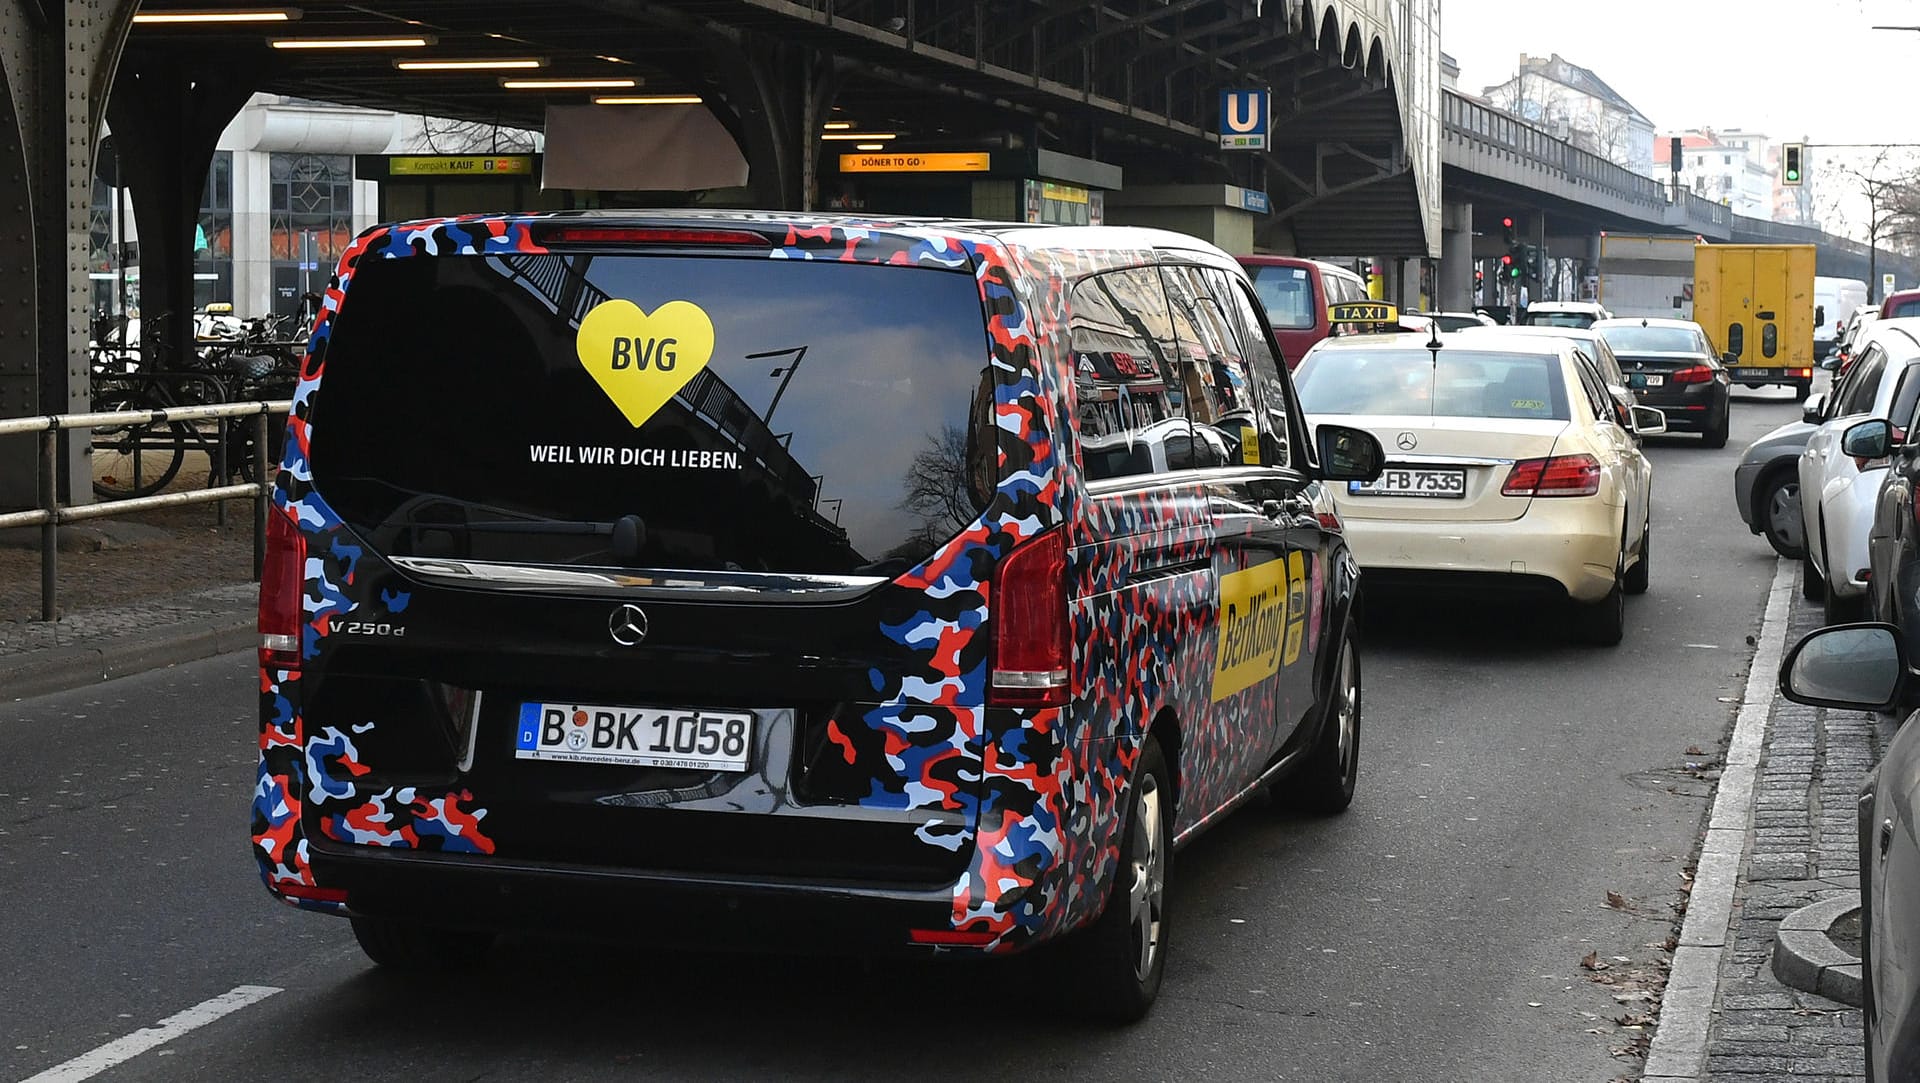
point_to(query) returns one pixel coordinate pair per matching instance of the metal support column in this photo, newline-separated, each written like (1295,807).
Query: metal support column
(1456,259)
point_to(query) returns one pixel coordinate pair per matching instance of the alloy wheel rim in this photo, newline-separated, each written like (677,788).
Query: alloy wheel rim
(1349,717)
(1147,883)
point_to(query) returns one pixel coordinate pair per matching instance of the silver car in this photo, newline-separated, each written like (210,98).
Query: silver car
(1766,484)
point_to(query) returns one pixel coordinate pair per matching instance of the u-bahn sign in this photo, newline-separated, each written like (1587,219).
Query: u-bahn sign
(1244,119)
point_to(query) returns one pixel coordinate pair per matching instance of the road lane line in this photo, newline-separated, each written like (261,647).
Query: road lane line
(1679,1049)
(120,1050)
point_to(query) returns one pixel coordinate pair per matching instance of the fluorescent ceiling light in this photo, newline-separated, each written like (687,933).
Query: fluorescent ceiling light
(184,17)
(869,146)
(837,125)
(416,41)
(496,64)
(569,84)
(861,135)
(651,99)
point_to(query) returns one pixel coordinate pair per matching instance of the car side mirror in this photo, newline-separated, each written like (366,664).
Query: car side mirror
(1868,440)
(1648,421)
(1859,666)
(1348,454)
(1636,381)
(1819,315)
(1815,406)
(1729,358)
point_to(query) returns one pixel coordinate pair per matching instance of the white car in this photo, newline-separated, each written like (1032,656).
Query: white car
(1566,313)
(1838,492)
(1507,469)
(1590,343)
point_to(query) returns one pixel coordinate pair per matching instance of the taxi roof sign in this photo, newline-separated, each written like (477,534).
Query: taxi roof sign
(1363,312)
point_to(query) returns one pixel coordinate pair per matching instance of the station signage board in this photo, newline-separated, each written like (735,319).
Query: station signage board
(460,165)
(929,162)
(1245,117)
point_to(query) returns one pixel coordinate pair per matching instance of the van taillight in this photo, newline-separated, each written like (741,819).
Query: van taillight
(1031,651)
(282,577)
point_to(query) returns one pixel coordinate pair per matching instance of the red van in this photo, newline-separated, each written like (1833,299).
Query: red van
(1900,303)
(1296,293)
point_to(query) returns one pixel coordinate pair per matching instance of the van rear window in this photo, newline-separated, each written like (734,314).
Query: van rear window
(713,413)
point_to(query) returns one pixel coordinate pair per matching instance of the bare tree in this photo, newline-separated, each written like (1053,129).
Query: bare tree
(443,135)
(1889,185)
(1578,118)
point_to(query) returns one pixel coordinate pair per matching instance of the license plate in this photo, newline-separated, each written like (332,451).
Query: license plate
(1656,381)
(634,736)
(1437,484)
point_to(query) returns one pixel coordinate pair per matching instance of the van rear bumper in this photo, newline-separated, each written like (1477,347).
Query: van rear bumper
(639,907)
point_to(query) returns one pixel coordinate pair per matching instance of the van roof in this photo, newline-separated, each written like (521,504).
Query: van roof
(1298,261)
(776,225)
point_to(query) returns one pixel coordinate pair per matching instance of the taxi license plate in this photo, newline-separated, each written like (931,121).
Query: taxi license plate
(1656,381)
(1433,484)
(634,736)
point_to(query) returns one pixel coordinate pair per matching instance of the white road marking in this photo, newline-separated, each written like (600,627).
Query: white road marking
(1679,1049)
(120,1050)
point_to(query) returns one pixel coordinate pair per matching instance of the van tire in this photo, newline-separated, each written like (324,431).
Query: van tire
(1325,782)
(420,949)
(1100,966)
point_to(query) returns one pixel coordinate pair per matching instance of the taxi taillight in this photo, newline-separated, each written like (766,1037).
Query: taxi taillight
(282,575)
(1031,649)
(1561,475)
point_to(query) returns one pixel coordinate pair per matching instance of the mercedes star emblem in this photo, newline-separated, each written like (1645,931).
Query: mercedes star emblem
(628,625)
(1406,441)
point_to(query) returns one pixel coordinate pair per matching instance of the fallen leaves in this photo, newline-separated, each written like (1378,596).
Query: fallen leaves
(1616,900)
(1695,750)
(1592,962)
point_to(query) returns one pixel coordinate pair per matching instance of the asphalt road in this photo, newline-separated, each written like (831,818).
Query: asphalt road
(1509,782)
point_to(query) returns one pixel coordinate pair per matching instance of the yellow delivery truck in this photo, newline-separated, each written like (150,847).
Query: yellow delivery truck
(1756,303)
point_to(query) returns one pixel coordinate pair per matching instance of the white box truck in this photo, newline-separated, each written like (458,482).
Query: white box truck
(1645,274)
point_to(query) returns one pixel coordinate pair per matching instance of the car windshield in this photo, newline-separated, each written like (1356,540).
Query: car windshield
(1458,383)
(1560,319)
(1652,339)
(1287,295)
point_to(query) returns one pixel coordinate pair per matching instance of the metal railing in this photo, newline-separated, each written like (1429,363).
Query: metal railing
(51,514)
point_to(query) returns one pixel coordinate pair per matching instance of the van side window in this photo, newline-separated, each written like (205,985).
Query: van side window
(1129,399)
(1263,366)
(1211,367)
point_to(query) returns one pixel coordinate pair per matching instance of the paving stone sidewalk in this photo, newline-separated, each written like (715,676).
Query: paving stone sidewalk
(1803,850)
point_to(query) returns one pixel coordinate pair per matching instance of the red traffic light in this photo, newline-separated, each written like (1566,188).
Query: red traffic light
(1507,223)
(1506,261)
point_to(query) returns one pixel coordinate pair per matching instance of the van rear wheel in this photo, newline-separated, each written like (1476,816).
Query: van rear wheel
(1112,968)
(420,949)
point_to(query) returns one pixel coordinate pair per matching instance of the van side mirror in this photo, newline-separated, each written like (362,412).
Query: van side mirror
(1348,454)
(1819,315)
(1729,358)
(1859,666)
(1815,409)
(1868,440)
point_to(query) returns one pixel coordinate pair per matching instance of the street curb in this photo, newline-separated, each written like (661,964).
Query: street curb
(1679,1048)
(64,668)
(1805,958)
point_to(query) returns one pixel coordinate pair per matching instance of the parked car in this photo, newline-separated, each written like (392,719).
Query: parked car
(1867,667)
(1766,484)
(1842,354)
(1296,294)
(1839,490)
(1566,313)
(1893,539)
(1507,455)
(1682,377)
(1900,303)
(1458,321)
(598,597)
(1596,348)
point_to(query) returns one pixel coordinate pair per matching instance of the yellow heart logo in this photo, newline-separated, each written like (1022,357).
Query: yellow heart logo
(641,361)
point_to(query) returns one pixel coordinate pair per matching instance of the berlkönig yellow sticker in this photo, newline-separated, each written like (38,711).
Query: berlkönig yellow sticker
(641,361)
(1263,614)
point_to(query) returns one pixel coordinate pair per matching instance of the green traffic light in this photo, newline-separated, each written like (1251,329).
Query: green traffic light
(1793,174)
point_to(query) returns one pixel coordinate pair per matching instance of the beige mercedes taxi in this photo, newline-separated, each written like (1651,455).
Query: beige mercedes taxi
(1510,467)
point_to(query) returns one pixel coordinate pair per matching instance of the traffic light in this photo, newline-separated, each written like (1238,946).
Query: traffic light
(1479,280)
(1792,157)
(1508,267)
(1507,224)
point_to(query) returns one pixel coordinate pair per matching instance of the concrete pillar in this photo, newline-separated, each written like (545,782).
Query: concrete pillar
(1456,259)
(1223,215)
(167,120)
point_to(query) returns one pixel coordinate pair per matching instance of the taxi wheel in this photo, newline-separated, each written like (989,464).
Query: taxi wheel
(1325,783)
(416,948)
(1637,578)
(1604,623)
(1113,967)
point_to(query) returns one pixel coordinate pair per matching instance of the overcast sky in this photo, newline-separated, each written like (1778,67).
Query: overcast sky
(1789,68)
